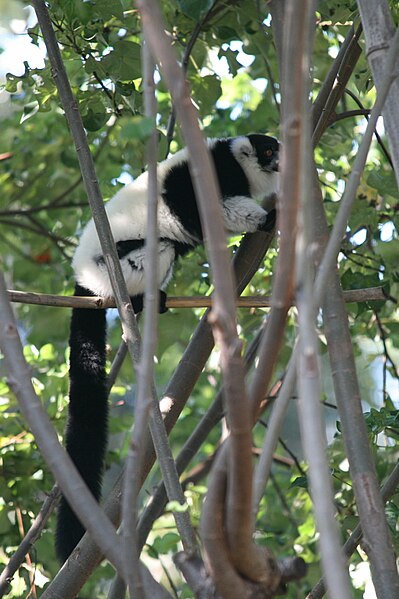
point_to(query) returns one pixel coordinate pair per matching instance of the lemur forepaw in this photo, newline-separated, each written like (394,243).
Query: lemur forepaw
(270,221)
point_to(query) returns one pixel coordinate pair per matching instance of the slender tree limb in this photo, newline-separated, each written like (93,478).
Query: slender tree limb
(310,409)
(368,294)
(213,415)
(345,59)
(276,421)
(345,380)
(331,251)
(379,29)
(377,135)
(55,456)
(28,541)
(145,369)
(128,321)
(290,163)
(389,488)
(335,86)
(329,258)
(185,60)
(335,118)
(223,313)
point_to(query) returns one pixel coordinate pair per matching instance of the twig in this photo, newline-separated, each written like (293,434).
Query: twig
(30,538)
(334,86)
(341,220)
(347,55)
(377,135)
(368,294)
(186,57)
(348,114)
(245,555)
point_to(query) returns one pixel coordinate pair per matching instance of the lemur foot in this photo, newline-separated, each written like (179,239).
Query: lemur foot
(138,302)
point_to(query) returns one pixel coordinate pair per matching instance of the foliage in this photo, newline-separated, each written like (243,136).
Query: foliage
(233,72)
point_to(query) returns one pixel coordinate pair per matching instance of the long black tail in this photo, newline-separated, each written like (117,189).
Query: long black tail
(86,432)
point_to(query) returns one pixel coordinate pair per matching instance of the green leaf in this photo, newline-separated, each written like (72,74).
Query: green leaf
(11,85)
(383,182)
(195,9)
(123,63)
(166,543)
(207,90)
(95,117)
(30,110)
(108,8)
(300,481)
(138,127)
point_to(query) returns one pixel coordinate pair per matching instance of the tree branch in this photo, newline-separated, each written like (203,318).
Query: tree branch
(368,294)
(55,456)
(29,539)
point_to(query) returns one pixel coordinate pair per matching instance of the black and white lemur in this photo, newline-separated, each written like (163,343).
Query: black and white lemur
(246,169)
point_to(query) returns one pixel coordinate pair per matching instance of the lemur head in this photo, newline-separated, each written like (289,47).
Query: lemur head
(258,157)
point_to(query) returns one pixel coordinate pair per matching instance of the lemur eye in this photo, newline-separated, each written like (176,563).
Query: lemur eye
(269,153)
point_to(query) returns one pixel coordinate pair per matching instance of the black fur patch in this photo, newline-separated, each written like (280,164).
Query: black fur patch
(267,150)
(178,194)
(178,191)
(231,177)
(128,245)
(86,433)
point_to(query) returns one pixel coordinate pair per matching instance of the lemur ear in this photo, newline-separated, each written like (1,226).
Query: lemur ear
(241,147)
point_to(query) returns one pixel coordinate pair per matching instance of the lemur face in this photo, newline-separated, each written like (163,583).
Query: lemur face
(258,157)
(267,151)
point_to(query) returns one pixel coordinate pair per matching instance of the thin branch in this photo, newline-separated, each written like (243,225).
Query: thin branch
(328,260)
(379,30)
(55,456)
(38,230)
(347,55)
(45,207)
(367,294)
(377,135)
(310,409)
(388,489)
(28,541)
(330,254)
(213,415)
(186,57)
(145,369)
(333,87)
(283,284)
(335,118)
